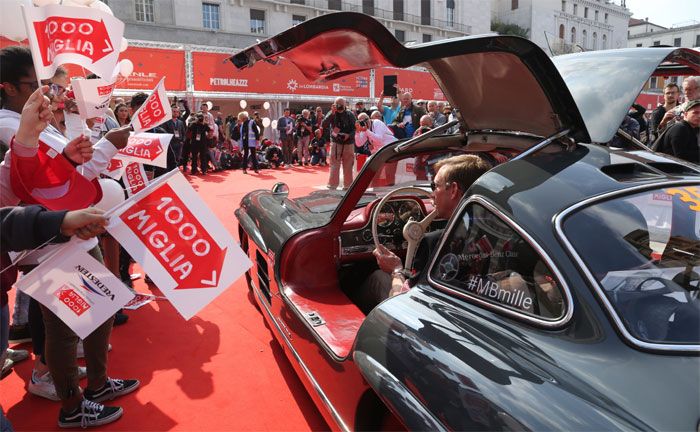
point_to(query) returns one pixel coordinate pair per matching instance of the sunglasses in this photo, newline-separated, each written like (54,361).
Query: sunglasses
(434,185)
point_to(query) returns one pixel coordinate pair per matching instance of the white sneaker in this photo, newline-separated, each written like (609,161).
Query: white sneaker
(80,351)
(43,386)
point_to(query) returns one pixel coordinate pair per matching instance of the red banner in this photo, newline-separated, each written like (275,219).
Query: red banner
(420,84)
(213,73)
(150,65)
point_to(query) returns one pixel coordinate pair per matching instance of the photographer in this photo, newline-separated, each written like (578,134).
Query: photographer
(247,134)
(318,149)
(199,143)
(303,130)
(341,124)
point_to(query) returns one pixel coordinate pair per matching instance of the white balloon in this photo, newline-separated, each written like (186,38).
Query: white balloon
(126,67)
(243,104)
(112,194)
(11,21)
(210,105)
(97,4)
(41,3)
(124,45)
(274,124)
(266,121)
(266,105)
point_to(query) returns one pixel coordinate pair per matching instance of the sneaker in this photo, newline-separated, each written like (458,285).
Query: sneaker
(6,368)
(42,386)
(120,318)
(112,388)
(19,334)
(80,351)
(17,355)
(89,414)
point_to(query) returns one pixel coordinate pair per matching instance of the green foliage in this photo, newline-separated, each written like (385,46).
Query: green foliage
(509,29)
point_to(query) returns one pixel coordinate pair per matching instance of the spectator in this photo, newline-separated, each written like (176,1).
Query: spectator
(360,108)
(199,132)
(408,119)
(426,123)
(658,116)
(630,126)
(341,124)
(259,122)
(285,126)
(637,113)
(176,127)
(247,135)
(303,133)
(681,139)
(317,119)
(388,112)
(438,117)
(121,114)
(273,153)
(208,117)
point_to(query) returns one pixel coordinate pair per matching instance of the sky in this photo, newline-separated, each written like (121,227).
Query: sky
(665,13)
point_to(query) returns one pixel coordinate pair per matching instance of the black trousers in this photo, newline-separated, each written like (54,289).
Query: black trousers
(253,155)
(200,151)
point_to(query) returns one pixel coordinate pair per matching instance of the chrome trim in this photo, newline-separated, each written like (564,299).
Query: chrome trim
(632,139)
(569,306)
(558,220)
(336,416)
(503,132)
(542,144)
(422,137)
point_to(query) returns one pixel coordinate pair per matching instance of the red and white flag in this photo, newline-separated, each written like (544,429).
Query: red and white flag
(115,169)
(77,288)
(148,148)
(134,178)
(66,34)
(155,111)
(92,96)
(179,242)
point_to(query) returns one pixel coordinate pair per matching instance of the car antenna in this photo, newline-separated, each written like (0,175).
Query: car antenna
(424,136)
(547,141)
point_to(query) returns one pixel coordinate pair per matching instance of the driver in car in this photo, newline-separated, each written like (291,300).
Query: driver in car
(453,177)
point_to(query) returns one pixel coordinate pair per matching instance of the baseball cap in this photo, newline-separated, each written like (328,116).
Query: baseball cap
(691,104)
(51,180)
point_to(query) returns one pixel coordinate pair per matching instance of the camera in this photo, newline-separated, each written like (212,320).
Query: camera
(340,107)
(362,123)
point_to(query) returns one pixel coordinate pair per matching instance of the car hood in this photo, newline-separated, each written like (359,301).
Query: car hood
(606,83)
(496,82)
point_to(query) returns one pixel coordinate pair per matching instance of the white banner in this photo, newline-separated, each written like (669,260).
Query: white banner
(77,288)
(134,178)
(80,35)
(155,111)
(92,96)
(147,148)
(115,169)
(179,242)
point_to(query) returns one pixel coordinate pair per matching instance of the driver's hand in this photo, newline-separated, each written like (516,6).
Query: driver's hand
(387,260)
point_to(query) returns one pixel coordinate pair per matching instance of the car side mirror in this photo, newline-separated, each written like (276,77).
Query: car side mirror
(280,191)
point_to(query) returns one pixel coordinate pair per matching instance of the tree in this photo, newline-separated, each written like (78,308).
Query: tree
(509,29)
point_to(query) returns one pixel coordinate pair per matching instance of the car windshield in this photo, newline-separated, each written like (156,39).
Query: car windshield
(644,252)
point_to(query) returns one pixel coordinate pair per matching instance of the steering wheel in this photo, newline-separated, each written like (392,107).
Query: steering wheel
(412,232)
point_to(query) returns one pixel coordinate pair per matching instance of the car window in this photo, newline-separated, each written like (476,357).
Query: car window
(644,252)
(483,257)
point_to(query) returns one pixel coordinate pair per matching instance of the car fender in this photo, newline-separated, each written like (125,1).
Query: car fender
(399,399)
(249,227)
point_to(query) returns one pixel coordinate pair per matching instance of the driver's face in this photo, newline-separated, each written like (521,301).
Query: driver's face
(442,197)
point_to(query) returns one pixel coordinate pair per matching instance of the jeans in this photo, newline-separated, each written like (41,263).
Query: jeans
(303,149)
(4,328)
(20,314)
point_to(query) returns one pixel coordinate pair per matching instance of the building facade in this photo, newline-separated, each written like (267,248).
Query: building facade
(239,23)
(646,34)
(564,26)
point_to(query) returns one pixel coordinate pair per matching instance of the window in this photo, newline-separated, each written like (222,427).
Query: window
(656,43)
(561,31)
(677,42)
(398,10)
(606,18)
(301,2)
(596,16)
(427,38)
(425,12)
(644,260)
(563,6)
(451,13)
(605,41)
(298,19)
(653,83)
(400,35)
(573,35)
(257,21)
(210,15)
(335,5)
(486,259)
(697,40)
(595,41)
(639,45)
(144,10)
(585,12)
(368,7)
(584,39)
(513,4)
(575,9)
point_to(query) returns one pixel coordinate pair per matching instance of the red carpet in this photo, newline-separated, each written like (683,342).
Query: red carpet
(220,371)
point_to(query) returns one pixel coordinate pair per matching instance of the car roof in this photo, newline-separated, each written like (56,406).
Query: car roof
(534,189)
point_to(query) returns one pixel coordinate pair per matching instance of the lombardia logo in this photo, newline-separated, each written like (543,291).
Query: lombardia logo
(292,85)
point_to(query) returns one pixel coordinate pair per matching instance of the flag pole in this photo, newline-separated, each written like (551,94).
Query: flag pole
(32,41)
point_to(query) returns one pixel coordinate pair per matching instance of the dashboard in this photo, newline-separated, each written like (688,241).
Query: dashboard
(391,220)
